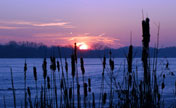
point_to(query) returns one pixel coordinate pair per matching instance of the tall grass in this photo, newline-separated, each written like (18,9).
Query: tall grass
(130,93)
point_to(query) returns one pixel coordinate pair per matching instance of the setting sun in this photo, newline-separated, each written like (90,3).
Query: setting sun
(82,46)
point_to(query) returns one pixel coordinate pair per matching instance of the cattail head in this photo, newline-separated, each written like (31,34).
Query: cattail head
(82,65)
(75,52)
(167,65)
(61,84)
(48,82)
(58,66)
(164,76)
(162,85)
(35,73)
(104,62)
(89,84)
(44,66)
(111,62)
(25,66)
(29,92)
(53,63)
(85,89)
(129,58)
(73,65)
(66,65)
(175,87)
(104,98)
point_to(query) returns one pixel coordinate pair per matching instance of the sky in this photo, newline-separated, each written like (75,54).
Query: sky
(93,22)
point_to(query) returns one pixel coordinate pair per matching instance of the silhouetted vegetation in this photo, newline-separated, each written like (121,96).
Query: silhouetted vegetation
(128,93)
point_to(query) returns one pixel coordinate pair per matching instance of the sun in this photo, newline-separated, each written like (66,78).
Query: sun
(82,46)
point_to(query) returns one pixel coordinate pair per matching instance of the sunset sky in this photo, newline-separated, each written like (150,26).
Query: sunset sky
(107,22)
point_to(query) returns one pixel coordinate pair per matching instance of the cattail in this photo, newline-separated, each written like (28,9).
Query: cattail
(73,65)
(75,52)
(25,67)
(104,98)
(70,93)
(129,58)
(29,92)
(167,65)
(145,50)
(65,92)
(78,95)
(58,66)
(53,63)
(78,90)
(30,101)
(162,85)
(25,96)
(89,84)
(85,89)
(13,88)
(61,84)
(164,76)
(66,65)
(93,101)
(35,73)
(130,80)
(111,62)
(104,62)
(48,82)
(133,91)
(82,65)
(175,87)
(159,97)
(44,66)
(41,97)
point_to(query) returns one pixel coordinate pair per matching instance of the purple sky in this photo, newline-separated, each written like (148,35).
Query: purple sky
(109,22)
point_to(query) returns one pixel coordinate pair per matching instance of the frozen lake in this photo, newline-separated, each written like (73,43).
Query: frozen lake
(93,70)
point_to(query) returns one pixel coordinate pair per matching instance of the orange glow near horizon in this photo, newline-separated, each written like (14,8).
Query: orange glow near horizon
(82,46)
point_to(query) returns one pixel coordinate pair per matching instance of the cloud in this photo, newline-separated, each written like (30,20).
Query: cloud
(37,24)
(92,40)
(9,28)
(70,39)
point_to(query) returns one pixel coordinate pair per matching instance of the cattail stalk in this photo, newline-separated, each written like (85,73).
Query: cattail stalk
(48,85)
(145,50)
(82,68)
(111,63)
(102,81)
(53,68)
(35,78)
(66,69)
(73,73)
(30,100)
(13,88)
(93,100)
(25,94)
(44,66)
